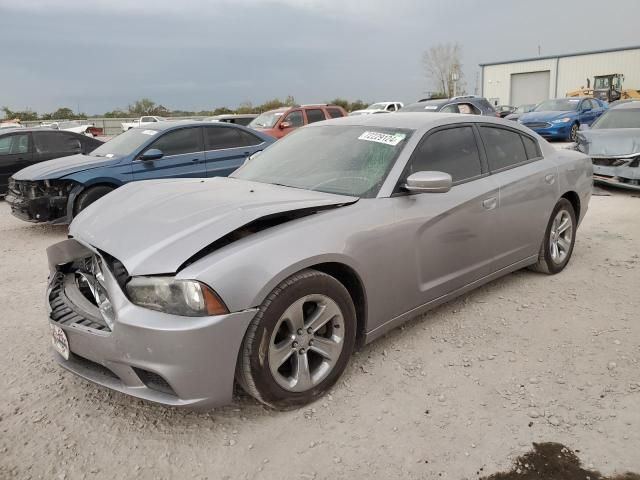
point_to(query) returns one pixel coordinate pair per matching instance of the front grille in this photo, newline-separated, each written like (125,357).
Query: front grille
(93,367)
(65,312)
(537,124)
(615,162)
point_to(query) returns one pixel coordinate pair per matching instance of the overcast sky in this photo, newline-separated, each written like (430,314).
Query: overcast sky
(198,54)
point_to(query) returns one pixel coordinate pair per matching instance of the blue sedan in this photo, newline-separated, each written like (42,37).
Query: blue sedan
(560,118)
(56,190)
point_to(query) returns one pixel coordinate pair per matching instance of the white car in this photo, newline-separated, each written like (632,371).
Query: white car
(141,122)
(379,107)
(83,127)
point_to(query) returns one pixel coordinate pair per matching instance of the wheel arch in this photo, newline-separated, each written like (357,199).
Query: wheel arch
(574,199)
(348,277)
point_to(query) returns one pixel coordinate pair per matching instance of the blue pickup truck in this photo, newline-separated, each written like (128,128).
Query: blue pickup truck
(56,190)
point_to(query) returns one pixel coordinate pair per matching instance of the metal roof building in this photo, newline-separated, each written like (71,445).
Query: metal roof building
(531,80)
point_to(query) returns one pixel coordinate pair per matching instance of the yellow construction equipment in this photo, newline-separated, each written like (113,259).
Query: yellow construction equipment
(606,87)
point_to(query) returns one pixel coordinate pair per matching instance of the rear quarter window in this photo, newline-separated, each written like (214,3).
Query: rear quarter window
(335,112)
(531,147)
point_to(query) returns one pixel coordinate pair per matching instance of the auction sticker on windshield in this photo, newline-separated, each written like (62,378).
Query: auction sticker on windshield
(59,341)
(386,138)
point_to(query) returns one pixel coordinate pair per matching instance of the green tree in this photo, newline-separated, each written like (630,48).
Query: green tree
(146,106)
(357,105)
(25,116)
(222,111)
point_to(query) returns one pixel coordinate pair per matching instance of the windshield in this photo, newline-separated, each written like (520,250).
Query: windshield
(558,105)
(265,120)
(525,108)
(125,143)
(623,118)
(422,107)
(346,160)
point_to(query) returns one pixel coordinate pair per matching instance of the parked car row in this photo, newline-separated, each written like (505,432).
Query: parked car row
(57,190)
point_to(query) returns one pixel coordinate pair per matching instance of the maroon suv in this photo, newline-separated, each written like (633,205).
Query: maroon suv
(282,121)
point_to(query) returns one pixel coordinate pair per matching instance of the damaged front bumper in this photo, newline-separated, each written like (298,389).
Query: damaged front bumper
(168,359)
(619,171)
(43,201)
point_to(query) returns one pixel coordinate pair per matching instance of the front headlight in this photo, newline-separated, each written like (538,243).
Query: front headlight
(561,120)
(188,298)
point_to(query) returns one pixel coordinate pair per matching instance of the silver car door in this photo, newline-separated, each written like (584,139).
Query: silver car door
(450,237)
(528,190)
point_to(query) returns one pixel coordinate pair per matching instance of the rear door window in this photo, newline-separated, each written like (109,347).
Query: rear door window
(451,150)
(505,148)
(55,142)
(315,115)
(179,142)
(335,112)
(219,138)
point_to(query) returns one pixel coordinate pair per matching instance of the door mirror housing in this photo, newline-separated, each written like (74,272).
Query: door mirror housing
(429,182)
(152,154)
(284,125)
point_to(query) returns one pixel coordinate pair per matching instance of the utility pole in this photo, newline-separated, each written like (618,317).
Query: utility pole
(454,80)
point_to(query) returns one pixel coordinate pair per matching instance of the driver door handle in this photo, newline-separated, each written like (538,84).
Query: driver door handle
(490,203)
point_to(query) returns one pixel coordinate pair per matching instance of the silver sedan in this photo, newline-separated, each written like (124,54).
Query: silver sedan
(173,290)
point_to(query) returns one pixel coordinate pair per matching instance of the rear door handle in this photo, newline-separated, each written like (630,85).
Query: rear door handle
(195,159)
(550,179)
(490,203)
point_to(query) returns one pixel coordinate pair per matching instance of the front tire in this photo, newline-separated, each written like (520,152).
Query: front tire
(573,133)
(559,239)
(299,342)
(89,196)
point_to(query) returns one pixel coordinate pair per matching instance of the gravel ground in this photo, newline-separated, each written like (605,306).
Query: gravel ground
(456,394)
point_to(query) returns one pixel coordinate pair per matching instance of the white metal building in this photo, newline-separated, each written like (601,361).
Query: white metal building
(532,80)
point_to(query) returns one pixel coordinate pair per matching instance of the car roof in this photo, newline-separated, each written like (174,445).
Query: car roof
(33,129)
(635,104)
(415,120)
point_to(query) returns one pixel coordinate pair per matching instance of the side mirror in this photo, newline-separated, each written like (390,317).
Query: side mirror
(284,125)
(431,182)
(151,154)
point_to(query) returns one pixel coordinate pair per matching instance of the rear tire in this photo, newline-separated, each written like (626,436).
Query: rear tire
(89,196)
(559,240)
(299,342)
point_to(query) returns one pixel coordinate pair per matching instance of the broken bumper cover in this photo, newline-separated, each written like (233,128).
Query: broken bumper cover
(622,172)
(163,358)
(38,203)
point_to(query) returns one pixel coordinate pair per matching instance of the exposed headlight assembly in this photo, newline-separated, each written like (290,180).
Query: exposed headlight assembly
(562,120)
(188,298)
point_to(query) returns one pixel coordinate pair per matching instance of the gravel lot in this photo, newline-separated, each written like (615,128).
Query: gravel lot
(456,394)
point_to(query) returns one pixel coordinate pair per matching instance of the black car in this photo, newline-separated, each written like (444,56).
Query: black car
(22,147)
(469,104)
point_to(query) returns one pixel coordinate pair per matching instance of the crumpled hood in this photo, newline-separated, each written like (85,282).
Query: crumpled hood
(60,167)
(610,142)
(545,116)
(154,226)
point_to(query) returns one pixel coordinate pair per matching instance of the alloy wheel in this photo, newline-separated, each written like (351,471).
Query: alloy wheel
(306,343)
(560,237)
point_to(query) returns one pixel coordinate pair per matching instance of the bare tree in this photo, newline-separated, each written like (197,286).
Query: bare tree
(442,64)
